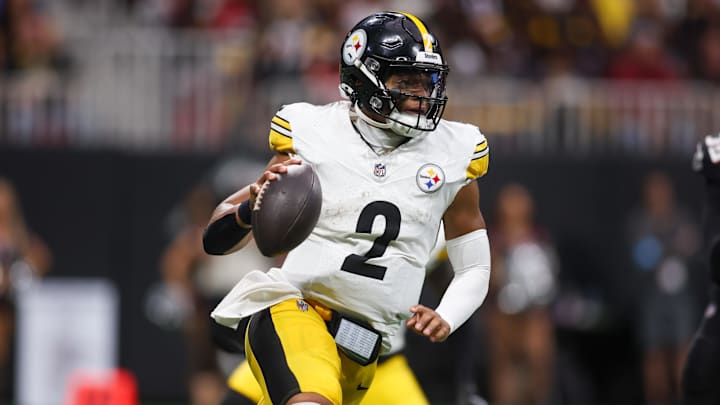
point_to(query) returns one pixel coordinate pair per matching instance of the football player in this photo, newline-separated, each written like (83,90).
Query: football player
(702,368)
(391,170)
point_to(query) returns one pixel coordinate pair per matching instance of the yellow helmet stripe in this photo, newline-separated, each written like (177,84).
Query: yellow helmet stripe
(427,39)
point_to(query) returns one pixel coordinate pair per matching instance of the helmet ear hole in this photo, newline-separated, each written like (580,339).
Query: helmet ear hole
(373,65)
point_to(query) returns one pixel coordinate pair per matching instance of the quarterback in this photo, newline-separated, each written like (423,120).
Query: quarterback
(391,171)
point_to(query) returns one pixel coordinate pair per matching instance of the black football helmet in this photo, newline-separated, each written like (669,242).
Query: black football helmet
(390,43)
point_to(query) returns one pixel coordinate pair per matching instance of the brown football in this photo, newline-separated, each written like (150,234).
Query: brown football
(286,210)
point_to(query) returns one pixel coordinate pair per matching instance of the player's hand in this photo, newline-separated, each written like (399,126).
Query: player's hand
(427,322)
(270,174)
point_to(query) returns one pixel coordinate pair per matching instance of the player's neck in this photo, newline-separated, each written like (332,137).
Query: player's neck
(381,140)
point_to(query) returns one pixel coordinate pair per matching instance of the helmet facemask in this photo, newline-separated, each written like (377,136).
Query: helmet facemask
(418,98)
(412,103)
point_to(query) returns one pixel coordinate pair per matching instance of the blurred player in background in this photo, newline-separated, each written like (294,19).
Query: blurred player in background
(24,257)
(194,282)
(662,240)
(391,170)
(701,375)
(522,288)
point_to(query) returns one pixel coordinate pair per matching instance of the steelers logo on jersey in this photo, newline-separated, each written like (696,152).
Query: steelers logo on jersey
(354,46)
(430,178)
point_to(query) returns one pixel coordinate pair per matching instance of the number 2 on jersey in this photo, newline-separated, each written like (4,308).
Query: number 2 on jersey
(358,264)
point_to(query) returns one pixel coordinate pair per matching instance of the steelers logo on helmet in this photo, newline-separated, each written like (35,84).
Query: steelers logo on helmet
(430,177)
(354,46)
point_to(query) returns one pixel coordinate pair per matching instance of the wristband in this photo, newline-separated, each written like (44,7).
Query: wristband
(244,213)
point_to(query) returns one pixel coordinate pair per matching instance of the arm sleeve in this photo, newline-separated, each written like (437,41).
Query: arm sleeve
(469,256)
(223,234)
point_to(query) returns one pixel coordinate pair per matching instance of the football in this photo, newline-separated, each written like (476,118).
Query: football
(286,210)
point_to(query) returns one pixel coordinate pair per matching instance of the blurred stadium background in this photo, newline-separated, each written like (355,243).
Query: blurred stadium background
(111,111)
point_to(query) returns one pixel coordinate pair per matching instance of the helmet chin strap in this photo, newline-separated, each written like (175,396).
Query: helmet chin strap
(377,124)
(376,134)
(398,118)
(393,124)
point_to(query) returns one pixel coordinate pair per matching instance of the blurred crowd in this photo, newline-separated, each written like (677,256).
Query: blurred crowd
(286,50)
(623,39)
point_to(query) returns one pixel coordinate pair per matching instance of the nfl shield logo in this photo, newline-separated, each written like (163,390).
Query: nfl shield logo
(380,170)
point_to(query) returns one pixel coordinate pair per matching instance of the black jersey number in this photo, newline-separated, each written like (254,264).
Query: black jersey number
(358,264)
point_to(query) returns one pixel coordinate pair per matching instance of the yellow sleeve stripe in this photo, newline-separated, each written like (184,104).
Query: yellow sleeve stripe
(478,166)
(277,128)
(481,153)
(481,146)
(427,39)
(281,122)
(280,143)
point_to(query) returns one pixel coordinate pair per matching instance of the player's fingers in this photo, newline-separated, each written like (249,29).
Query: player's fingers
(277,168)
(254,190)
(282,167)
(422,317)
(414,324)
(432,326)
(292,162)
(441,333)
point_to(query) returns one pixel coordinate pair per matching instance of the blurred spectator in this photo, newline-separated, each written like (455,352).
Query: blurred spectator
(24,257)
(662,239)
(708,58)
(614,19)
(284,25)
(32,39)
(170,13)
(36,66)
(522,287)
(230,14)
(196,282)
(320,66)
(645,56)
(694,39)
(180,264)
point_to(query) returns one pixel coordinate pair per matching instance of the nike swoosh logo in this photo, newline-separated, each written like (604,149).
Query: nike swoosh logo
(361,388)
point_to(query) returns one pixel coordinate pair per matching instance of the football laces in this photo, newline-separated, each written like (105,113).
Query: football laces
(259,197)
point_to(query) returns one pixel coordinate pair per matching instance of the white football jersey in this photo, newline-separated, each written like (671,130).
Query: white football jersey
(379,221)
